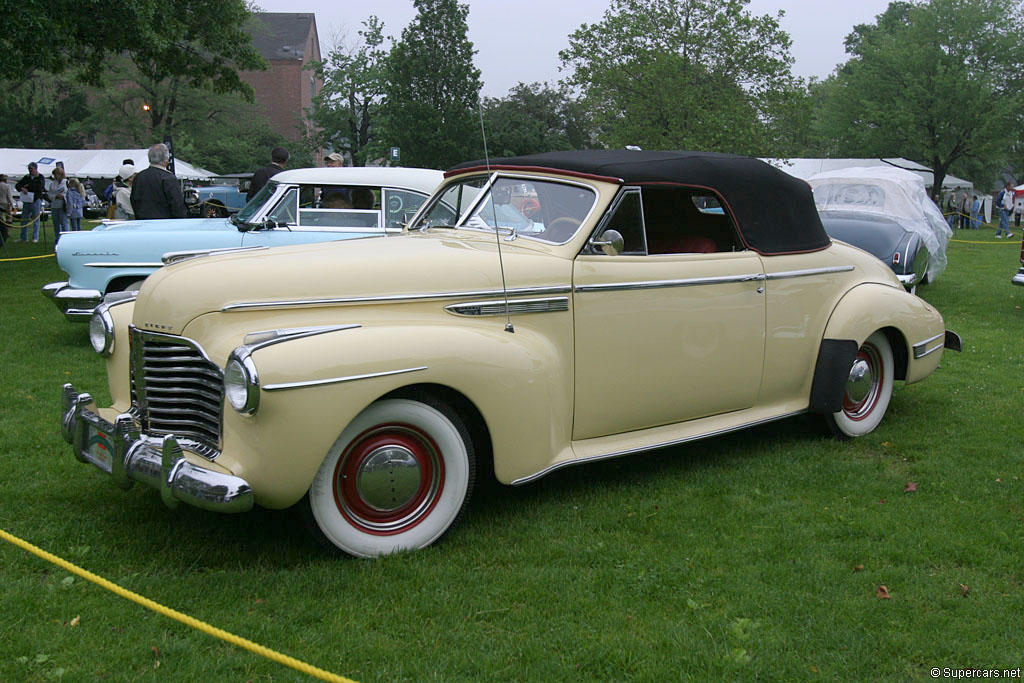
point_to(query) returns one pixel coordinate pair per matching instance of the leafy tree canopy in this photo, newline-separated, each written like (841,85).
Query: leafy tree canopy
(534,118)
(939,82)
(347,108)
(681,74)
(202,41)
(433,89)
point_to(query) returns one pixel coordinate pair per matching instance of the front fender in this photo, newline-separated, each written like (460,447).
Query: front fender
(312,387)
(908,320)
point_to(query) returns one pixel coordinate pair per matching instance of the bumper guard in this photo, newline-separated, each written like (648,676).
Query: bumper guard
(157,461)
(1018,279)
(77,305)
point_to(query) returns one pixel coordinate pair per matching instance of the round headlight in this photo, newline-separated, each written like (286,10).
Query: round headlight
(241,384)
(101,332)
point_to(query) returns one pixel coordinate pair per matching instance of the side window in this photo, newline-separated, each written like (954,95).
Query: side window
(628,220)
(686,221)
(400,206)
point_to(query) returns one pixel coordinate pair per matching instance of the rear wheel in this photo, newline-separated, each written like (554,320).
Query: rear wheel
(399,476)
(868,389)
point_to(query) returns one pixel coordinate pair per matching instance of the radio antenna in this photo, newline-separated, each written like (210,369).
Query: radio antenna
(494,214)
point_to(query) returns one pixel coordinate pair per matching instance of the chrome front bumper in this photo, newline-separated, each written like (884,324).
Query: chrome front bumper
(1018,279)
(127,456)
(76,304)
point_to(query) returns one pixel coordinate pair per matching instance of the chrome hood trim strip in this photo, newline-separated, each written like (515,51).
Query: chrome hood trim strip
(785,275)
(172,257)
(659,284)
(652,447)
(394,298)
(281,386)
(265,338)
(123,264)
(516,306)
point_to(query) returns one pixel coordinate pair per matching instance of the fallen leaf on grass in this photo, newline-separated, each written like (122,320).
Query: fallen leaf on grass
(859,568)
(881,501)
(999,480)
(964,590)
(882,593)
(886,444)
(910,487)
(156,657)
(74,622)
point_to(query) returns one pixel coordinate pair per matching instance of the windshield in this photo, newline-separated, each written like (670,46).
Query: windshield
(253,205)
(541,209)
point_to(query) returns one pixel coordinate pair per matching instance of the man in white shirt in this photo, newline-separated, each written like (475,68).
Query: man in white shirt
(1005,207)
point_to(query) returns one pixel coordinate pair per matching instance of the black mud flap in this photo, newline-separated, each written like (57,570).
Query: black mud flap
(835,358)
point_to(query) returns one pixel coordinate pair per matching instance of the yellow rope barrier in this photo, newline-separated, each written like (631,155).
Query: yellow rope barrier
(998,244)
(26,258)
(174,614)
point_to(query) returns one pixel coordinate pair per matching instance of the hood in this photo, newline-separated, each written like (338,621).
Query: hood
(165,225)
(417,265)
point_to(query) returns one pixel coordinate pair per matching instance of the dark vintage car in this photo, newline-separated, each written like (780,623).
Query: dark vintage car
(216,201)
(886,212)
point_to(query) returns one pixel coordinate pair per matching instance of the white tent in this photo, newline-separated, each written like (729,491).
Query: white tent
(86,163)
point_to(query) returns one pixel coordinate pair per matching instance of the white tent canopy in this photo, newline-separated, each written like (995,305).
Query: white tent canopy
(86,163)
(805,168)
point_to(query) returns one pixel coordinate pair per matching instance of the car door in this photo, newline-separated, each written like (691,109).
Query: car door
(672,328)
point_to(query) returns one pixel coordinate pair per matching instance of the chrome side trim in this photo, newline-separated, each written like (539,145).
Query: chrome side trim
(921,348)
(178,256)
(122,264)
(265,338)
(659,284)
(336,380)
(484,308)
(652,447)
(396,298)
(785,275)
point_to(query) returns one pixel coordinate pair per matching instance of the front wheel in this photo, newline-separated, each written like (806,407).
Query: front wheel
(868,390)
(399,476)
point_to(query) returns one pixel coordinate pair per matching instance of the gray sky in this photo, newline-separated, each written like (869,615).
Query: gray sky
(519,41)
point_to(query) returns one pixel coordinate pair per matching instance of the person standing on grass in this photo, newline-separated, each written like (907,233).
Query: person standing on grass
(965,211)
(976,213)
(6,208)
(1005,202)
(76,204)
(57,193)
(31,186)
(156,192)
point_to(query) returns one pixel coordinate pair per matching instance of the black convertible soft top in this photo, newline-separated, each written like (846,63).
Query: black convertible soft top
(774,211)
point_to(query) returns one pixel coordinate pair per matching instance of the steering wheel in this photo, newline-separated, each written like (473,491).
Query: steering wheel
(530,207)
(395,203)
(566,225)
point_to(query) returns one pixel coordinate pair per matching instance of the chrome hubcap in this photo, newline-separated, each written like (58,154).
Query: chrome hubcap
(388,478)
(859,384)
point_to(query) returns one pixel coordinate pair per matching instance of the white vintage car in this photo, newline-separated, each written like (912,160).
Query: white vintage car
(649,299)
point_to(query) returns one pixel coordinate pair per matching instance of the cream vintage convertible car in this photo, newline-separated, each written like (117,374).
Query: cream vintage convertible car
(649,299)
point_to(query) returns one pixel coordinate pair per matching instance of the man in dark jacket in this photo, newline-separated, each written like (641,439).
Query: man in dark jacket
(156,192)
(32,187)
(278,158)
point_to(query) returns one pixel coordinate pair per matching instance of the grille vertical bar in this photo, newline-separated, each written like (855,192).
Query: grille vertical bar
(176,388)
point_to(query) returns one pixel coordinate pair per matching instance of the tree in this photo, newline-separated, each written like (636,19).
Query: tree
(347,107)
(433,89)
(42,111)
(534,118)
(939,82)
(201,41)
(689,74)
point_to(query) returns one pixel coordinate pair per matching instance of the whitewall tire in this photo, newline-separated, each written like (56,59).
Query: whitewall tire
(868,389)
(399,476)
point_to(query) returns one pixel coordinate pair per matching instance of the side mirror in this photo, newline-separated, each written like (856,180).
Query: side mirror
(610,242)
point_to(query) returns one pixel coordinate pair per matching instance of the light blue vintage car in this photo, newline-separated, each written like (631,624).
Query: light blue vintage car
(303,205)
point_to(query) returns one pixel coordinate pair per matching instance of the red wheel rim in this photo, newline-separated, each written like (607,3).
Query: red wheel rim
(388,479)
(860,401)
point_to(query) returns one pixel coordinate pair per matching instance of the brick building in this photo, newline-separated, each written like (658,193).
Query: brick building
(289,42)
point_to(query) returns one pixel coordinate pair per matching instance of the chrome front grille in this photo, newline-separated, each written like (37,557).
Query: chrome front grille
(176,388)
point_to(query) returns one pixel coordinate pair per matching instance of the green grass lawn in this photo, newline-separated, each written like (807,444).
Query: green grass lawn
(753,556)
